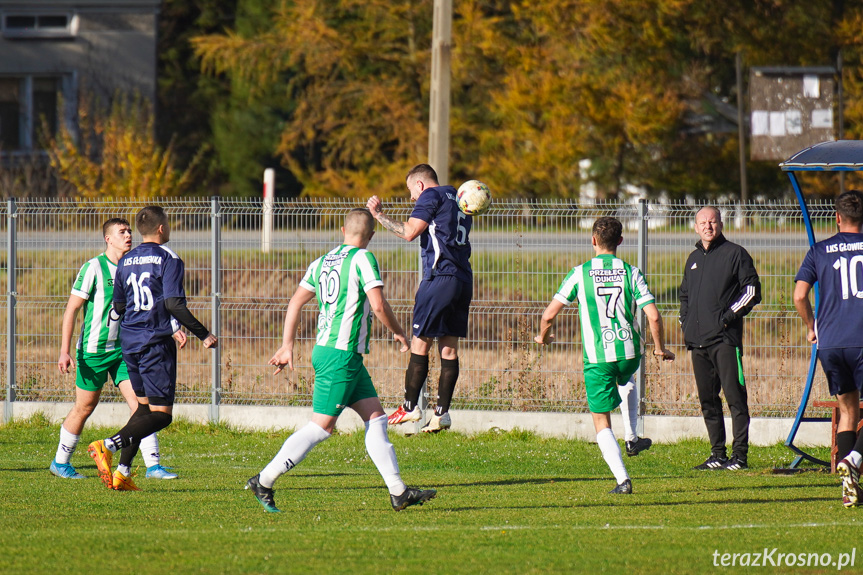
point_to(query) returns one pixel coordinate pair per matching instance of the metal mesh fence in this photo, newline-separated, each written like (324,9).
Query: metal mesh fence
(521,252)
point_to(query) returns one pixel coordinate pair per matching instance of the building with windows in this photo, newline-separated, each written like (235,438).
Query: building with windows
(53,50)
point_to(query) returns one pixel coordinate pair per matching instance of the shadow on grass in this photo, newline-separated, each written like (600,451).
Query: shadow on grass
(632,501)
(772,487)
(525,481)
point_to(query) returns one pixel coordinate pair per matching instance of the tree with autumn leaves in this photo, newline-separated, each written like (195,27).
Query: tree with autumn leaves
(536,86)
(113,153)
(337,90)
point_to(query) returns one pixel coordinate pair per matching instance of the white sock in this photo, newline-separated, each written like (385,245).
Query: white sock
(293,451)
(66,447)
(150,450)
(629,409)
(383,454)
(611,453)
(111,446)
(855,458)
(125,470)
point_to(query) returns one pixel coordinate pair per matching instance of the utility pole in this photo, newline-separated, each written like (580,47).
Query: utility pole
(841,112)
(440,90)
(741,129)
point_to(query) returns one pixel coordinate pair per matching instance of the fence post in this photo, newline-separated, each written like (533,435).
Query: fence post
(11,299)
(215,306)
(642,265)
(267,220)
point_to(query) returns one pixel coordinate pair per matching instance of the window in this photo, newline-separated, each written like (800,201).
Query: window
(49,25)
(28,108)
(10,128)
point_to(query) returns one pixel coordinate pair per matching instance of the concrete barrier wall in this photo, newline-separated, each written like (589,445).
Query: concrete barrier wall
(662,429)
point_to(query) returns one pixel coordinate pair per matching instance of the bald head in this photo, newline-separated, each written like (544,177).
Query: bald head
(709,212)
(708,225)
(359,224)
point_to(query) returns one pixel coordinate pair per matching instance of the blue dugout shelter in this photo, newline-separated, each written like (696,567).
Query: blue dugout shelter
(838,156)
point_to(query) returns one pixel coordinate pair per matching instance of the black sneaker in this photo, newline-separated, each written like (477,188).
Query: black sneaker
(625,487)
(713,462)
(736,462)
(264,495)
(411,496)
(640,444)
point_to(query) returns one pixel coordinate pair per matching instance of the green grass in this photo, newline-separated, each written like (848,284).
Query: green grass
(508,502)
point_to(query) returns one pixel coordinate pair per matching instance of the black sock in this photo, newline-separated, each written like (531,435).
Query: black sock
(854,442)
(155,421)
(415,377)
(142,423)
(844,444)
(123,438)
(446,385)
(127,454)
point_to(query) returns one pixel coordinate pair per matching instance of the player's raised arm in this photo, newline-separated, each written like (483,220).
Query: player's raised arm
(408,230)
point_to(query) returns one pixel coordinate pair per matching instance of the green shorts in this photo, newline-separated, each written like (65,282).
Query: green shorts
(341,380)
(94,369)
(601,381)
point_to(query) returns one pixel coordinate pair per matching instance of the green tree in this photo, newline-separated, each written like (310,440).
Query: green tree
(187,99)
(248,125)
(355,109)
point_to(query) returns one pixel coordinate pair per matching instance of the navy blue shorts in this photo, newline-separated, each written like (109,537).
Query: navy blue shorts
(843,368)
(441,307)
(153,372)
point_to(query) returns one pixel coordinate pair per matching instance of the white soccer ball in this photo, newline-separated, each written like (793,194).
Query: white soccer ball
(474,197)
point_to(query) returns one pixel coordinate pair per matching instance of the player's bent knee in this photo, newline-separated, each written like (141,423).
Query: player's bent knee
(143,409)
(161,420)
(85,410)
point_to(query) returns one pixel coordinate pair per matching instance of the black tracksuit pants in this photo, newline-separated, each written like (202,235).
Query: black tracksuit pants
(716,368)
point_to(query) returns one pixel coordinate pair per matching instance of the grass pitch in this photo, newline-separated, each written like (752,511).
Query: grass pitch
(508,502)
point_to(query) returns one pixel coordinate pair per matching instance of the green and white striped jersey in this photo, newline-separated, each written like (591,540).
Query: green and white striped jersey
(95,283)
(609,293)
(341,279)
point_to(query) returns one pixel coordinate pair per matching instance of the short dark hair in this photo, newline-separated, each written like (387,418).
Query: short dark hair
(424,171)
(111,223)
(149,219)
(849,205)
(607,231)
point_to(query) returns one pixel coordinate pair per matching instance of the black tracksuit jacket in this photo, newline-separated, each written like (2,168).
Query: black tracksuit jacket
(720,286)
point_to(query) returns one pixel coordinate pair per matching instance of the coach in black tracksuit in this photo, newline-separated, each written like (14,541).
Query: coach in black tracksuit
(720,286)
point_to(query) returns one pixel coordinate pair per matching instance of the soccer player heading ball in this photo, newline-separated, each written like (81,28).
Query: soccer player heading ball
(443,298)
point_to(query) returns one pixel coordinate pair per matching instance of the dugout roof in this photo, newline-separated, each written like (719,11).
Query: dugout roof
(838,156)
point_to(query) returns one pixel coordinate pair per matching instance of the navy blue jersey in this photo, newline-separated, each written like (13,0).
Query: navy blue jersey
(146,276)
(837,265)
(445,243)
